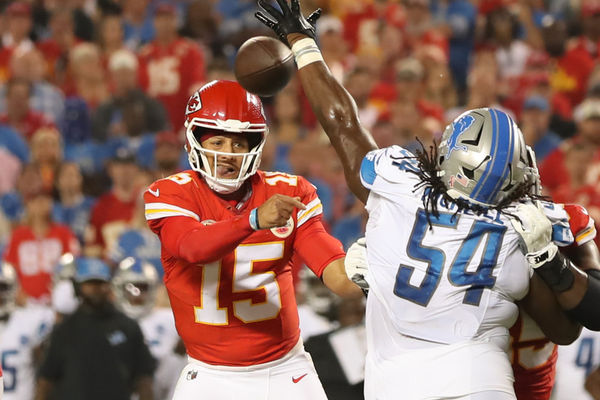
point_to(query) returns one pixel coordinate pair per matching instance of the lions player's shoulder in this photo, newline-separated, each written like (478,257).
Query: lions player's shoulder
(391,163)
(34,318)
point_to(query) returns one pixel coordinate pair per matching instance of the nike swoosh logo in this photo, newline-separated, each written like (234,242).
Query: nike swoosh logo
(154,192)
(296,380)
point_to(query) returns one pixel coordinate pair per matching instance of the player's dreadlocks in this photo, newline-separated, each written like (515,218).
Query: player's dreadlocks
(429,176)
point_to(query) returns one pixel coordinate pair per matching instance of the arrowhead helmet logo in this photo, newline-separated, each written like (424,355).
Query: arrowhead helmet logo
(194,104)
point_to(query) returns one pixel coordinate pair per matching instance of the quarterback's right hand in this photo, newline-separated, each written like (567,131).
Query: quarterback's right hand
(535,230)
(277,210)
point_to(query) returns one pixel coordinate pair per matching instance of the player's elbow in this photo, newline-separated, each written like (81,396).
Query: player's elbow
(340,117)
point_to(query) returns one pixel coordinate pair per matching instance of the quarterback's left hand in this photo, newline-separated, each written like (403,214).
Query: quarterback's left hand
(535,230)
(355,263)
(288,20)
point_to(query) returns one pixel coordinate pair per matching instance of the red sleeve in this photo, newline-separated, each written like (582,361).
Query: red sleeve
(187,239)
(174,216)
(316,247)
(581,224)
(313,244)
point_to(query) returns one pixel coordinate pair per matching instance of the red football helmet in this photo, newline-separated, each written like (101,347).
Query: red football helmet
(224,106)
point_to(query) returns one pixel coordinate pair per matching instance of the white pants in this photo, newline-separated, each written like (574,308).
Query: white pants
(1,386)
(292,377)
(465,371)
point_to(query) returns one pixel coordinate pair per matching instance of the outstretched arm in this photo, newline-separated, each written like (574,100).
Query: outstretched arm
(332,104)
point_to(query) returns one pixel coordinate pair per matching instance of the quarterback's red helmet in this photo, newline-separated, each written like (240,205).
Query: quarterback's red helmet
(224,106)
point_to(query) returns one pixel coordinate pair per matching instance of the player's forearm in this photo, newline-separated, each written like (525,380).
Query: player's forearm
(337,113)
(334,277)
(196,243)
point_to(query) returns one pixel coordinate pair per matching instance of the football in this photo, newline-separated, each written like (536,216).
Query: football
(264,65)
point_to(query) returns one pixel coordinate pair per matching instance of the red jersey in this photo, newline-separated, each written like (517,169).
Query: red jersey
(31,122)
(35,258)
(533,355)
(236,307)
(171,74)
(110,216)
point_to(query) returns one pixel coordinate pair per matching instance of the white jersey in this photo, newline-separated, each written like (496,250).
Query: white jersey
(19,336)
(575,362)
(161,337)
(159,332)
(451,283)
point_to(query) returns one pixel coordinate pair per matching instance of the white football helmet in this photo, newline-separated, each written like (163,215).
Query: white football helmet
(8,288)
(135,284)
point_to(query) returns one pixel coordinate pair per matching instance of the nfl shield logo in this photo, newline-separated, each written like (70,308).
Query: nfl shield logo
(191,375)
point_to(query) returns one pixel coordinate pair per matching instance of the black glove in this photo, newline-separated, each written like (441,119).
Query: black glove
(288,20)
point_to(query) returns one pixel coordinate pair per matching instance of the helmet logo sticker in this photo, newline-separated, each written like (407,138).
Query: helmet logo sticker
(284,231)
(458,127)
(194,104)
(463,180)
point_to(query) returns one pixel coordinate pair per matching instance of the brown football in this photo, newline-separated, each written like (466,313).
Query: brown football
(264,65)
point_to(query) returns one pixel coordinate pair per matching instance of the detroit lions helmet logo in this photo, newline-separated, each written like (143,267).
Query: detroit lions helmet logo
(458,127)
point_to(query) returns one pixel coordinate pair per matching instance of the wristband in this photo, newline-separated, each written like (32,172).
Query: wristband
(306,52)
(254,219)
(557,273)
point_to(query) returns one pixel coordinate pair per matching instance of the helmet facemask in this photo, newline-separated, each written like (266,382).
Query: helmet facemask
(8,289)
(199,156)
(135,287)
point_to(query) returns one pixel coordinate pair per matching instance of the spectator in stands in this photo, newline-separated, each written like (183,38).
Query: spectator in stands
(56,48)
(359,83)
(201,24)
(45,97)
(129,111)
(14,153)
(459,18)
(502,36)
(173,67)
(555,172)
(19,115)
(137,240)
(73,207)
(535,125)
(114,210)
(36,245)
(572,66)
(137,23)
(167,155)
(46,155)
(89,80)
(97,352)
(16,36)
(438,88)
(110,35)
(333,47)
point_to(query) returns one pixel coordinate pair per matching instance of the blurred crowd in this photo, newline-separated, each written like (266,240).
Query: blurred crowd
(92,98)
